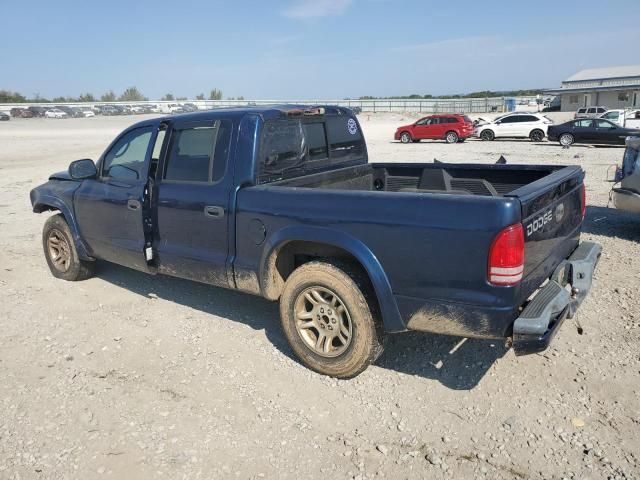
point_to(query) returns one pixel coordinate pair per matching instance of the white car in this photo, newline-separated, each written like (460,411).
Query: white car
(55,113)
(516,125)
(88,113)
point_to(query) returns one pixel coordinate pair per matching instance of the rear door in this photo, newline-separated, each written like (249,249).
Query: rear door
(110,208)
(194,183)
(583,130)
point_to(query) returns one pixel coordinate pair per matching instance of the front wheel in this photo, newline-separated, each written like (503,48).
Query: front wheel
(566,139)
(61,253)
(405,137)
(329,317)
(487,135)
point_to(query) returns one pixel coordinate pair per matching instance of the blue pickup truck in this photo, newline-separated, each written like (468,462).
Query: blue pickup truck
(282,202)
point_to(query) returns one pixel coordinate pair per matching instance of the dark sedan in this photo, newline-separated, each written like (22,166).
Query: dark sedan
(591,131)
(4,117)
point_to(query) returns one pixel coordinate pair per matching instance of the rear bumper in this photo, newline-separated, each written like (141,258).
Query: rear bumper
(627,200)
(558,300)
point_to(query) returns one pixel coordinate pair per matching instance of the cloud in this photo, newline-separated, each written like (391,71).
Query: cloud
(316,8)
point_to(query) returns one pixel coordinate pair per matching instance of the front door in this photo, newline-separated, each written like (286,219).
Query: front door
(109,209)
(194,182)
(587,100)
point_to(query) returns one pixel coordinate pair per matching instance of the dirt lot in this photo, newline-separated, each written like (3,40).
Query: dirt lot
(129,376)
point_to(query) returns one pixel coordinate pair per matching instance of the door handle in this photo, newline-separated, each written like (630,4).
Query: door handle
(133,204)
(214,211)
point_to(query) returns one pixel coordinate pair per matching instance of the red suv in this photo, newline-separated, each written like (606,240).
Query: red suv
(451,127)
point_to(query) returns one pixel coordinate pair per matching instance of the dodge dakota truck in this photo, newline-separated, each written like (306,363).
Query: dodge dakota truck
(282,202)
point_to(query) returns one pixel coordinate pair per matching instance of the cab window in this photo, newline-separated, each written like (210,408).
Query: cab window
(126,159)
(199,153)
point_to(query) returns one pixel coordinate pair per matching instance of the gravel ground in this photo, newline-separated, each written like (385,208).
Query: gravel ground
(129,376)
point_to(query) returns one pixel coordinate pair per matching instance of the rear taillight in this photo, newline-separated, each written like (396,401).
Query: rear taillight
(506,256)
(583,199)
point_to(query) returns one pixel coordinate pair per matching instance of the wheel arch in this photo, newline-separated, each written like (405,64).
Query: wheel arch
(291,247)
(47,203)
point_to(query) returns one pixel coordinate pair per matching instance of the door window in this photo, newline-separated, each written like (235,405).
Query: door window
(582,123)
(529,118)
(126,159)
(604,124)
(199,153)
(424,121)
(511,119)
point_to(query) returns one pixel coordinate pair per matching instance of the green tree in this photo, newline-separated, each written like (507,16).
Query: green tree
(86,97)
(200,96)
(110,96)
(11,97)
(168,97)
(215,94)
(181,99)
(132,94)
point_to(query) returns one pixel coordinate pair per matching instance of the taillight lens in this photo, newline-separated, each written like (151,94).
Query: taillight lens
(583,199)
(506,256)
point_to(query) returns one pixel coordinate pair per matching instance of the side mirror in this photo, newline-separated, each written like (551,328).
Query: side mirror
(82,169)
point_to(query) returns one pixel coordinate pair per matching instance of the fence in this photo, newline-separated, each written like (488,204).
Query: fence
(466,105)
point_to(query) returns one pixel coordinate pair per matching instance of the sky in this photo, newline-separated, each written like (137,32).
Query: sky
(308,49)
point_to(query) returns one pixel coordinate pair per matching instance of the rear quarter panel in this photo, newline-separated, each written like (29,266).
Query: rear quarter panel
(429,246)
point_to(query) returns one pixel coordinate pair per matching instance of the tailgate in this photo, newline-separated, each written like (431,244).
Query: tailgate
(552,216)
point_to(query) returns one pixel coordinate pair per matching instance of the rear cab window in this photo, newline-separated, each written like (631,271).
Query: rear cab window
(296,146)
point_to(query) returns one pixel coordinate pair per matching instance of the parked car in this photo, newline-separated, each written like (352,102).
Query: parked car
(516,125)
(76,112)
(55,113)
(451,128)
(109,110)
(627,196)
(4,116)
(589,112)
(254,199)
(171,108)
(153,109)
(590,130)
(21,113)
(189,107)
(72,112)
(37,111)
(136,109)
(624,118)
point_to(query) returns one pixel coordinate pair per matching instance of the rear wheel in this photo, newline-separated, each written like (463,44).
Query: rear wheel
(451,137)
(536,135)
(487,135)
(405,137)
(60,251)
(329,317)
(566,139)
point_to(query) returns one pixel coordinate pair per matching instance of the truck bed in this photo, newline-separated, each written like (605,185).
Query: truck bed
(453,179)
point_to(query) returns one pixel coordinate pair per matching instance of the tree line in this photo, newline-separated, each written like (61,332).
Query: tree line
(481,94)
(131,94)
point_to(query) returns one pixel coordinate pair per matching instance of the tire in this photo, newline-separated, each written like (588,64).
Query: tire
(451,137)
(60,251)
(488,135)
(536,135)
(566,139)
(405,137)
(331,301)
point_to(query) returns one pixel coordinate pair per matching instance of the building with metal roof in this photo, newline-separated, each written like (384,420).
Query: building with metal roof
(611,87)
